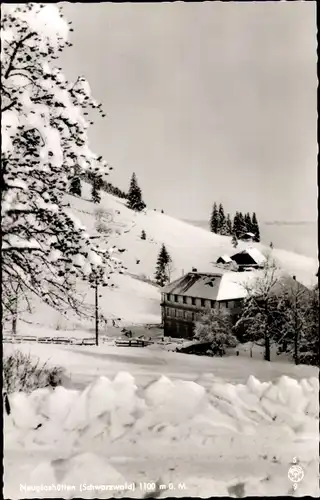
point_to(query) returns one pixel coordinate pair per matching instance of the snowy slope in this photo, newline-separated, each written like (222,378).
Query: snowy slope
(188,246)
(137,301)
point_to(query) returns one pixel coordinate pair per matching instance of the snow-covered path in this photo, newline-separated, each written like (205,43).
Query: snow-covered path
(84,364)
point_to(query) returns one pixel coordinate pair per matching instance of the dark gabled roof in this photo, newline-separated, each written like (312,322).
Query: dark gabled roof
(225,258)
(254,253)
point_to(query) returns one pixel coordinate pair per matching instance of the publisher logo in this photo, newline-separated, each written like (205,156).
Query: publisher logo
(296,473)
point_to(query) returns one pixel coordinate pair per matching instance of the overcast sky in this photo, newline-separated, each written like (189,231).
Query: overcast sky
(205,101)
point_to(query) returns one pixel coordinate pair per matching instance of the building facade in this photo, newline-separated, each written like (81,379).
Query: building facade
(186,299)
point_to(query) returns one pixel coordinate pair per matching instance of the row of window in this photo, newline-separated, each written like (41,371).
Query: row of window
(174,298)
(202,302)
(178,313)
(190,315)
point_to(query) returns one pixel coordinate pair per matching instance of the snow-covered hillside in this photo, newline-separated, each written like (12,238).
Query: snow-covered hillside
(136,300)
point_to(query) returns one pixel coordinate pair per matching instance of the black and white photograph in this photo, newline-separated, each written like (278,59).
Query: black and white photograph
(159,249)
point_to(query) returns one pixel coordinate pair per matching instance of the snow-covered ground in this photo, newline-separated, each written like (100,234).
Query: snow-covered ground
(136,300)
(147,415)
(225,439)
(83,364)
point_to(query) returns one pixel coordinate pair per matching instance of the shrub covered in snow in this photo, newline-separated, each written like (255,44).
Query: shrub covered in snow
(21,372)
(215,326)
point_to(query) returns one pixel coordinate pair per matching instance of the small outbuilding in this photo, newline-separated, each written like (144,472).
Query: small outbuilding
(248,237)
(249,258)
(224,259)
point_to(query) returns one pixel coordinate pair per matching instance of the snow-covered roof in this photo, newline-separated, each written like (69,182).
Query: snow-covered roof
(252,235)
(254,253)
(223,285)
(226,258)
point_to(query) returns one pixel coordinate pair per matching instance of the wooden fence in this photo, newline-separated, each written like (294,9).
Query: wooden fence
(16,339)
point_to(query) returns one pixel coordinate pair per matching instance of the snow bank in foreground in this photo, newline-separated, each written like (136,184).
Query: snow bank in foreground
(168,418)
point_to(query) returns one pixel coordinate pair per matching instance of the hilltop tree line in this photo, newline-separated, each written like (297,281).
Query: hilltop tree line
(221,223)
(98,184)
(134,196)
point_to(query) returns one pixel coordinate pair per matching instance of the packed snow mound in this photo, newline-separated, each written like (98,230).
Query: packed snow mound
(109,410)
(75,436)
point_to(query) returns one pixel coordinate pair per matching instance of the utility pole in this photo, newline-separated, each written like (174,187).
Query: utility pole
(15,311)
(97,310)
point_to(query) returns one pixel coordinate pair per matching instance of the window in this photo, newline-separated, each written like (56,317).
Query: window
(227,304)
(184,299)
(167,311)
(193,301)
(192,316)
(176,298)
(212,304)
(168,297)
(174,312)
(203,303)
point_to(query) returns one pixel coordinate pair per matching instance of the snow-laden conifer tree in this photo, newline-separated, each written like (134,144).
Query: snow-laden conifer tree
(221,225)
(229,225)
(162,274)
(248,223)
(255,227)
(236,225)
(44,135)
(214,219)
(135,201)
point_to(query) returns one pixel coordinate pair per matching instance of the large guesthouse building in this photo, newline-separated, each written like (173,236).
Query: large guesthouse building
(185,299)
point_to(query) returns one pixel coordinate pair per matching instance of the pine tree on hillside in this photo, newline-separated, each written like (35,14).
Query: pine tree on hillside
(75,183)
(221,220)
(135,196)
(214,219)
(95,190)
(236,225)
(224,229)
(234,241)
(229,225)
(242,225)
(162,267)
(255,227)
(248,223)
